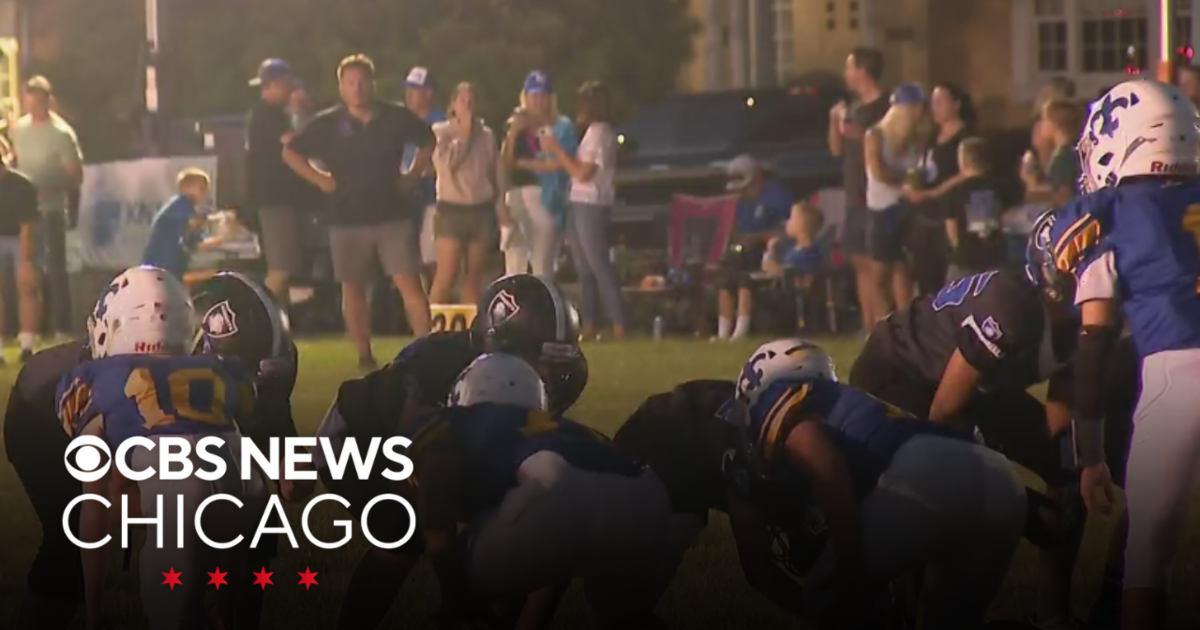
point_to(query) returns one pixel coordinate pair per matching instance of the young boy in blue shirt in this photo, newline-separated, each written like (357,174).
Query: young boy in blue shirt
(175,233)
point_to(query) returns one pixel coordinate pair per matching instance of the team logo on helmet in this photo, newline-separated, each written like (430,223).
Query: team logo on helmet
(1042,240)
(503,307)
(220,321)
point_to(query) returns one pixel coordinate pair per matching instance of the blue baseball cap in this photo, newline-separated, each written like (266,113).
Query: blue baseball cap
(908,94)
(538,82)
(271,70)
(420,77)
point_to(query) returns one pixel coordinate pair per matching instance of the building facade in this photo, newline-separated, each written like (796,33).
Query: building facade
(1000,51)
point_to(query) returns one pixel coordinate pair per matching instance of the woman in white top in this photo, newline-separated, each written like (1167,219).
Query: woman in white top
(464,225)
(589,209)
(892,148)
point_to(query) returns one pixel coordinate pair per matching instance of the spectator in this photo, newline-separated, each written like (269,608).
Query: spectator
(178,225)
(1188,80)
(362,143)
(953,114)
(764,206)
(847,124)
(892,149)
(272,188)
(418,96)
(465,161)
(539,214)
(799,249)
(1057,89)
(18,222)
(973,208)
(1060,123)
(589,216)
(48,152)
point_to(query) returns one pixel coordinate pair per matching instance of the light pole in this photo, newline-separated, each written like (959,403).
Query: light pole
(1166,42)
(150,127)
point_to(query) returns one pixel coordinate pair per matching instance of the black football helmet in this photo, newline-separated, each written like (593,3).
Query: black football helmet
(527,316)
(240,319)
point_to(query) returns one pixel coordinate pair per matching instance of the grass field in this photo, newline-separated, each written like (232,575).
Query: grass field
(708,591)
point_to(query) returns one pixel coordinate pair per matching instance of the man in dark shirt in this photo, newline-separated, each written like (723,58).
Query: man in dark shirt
(273,189)
(972,215)
(848,122)
(18,220)
(362,143)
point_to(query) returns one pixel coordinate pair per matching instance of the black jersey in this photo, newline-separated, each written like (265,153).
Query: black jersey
(996,319)
(428,367)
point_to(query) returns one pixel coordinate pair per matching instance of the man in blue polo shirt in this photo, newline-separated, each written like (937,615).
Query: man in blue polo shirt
(419,86)
(763,208)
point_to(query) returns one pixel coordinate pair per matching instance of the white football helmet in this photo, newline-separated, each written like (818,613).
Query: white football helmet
(145,310)
(502,379)
(782,358)
(1139,127)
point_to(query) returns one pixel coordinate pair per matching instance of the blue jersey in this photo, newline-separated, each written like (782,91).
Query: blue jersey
(1137,243)
(144,395)
(865,429)
(495,439)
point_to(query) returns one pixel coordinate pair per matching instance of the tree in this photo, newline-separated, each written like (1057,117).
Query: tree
(211,48)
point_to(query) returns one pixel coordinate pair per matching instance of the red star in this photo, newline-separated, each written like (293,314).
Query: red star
(172,578)
(217,578)
(308,579)
(263,578)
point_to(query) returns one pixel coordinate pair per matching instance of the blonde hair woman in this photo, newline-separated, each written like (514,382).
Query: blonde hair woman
(892,148)
(467,208)
(536,182)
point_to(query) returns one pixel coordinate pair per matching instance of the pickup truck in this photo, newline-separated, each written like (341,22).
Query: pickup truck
(681,144)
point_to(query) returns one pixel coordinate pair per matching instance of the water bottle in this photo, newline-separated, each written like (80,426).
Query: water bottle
(658,327)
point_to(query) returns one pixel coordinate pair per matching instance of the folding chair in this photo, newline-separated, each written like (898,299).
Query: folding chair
(699,235)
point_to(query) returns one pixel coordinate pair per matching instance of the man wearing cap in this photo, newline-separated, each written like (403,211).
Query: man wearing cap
(418,96)
(272,188)
(763,207)
(48,152)
(361,142)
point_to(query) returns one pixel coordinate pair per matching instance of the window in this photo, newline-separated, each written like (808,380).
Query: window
(1051,36)
(785,47)
(1113,36)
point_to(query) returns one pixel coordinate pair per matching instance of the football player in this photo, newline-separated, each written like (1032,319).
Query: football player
(522,315)
(35,439)
(1128,247)
(968,355)
(141,382)
(545,499)
(897,493)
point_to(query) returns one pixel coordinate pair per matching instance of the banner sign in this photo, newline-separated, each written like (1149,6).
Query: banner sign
(117,205)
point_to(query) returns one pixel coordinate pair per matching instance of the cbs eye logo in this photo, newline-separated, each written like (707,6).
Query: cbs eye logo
(87,458)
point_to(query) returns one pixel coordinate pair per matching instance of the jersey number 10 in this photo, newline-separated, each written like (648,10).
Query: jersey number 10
(143,389)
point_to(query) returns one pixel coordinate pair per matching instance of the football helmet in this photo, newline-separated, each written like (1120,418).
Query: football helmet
(1140,127)
(528,316)
(1040,266)
(501,379)
(782,358)
(239,318)
(145,310)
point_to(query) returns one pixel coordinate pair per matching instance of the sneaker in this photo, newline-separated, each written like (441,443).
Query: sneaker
(26,354)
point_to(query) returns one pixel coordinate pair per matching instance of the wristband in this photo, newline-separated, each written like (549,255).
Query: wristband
(1088,437)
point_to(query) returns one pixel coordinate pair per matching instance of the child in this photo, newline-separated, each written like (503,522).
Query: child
(973,215)
(797,251)
(1056,185)
(175,233)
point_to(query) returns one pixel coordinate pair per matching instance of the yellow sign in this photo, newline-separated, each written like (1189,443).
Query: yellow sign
(452,317)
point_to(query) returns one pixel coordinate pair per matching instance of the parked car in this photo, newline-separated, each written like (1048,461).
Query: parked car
(681,144)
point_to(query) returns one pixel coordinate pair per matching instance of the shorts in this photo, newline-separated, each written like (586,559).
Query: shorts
(885,233)
(738,267)
(355,247)
(10,253)
(466,223)
(854,230)
(282,232)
